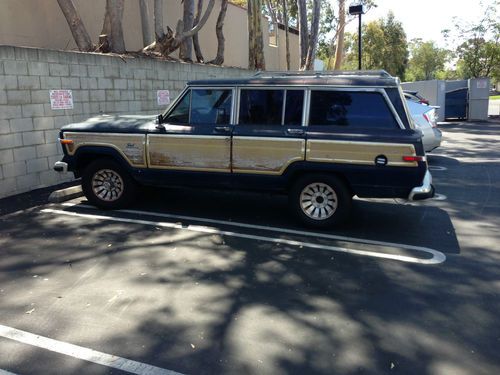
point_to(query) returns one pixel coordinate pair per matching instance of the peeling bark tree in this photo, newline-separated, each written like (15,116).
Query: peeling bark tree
(147,38)
(75,23)
(339,49)
(303,31)
(308,39)
(158,18)
(168,42)
(111,37)
(196,42)
(186,49)
(219,58)
(256,59)
(287,35)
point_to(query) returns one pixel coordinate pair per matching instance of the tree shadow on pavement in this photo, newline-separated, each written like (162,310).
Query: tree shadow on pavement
(212,304)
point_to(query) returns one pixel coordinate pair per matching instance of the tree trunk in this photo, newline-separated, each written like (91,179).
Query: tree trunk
(274,20)
(169,42)
(147,38)
(104,38)
(158,19)
(339,50)
(313,35)
(303,32)
(75,23)
(115,10)
(256,59)
(196,42)
(111,37)
(287,36)
(186,50)
(219,59)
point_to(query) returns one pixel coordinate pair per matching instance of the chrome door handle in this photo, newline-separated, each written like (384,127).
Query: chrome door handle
(295,131)
(223,129)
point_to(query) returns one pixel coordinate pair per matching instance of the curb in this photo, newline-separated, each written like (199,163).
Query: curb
(63,195)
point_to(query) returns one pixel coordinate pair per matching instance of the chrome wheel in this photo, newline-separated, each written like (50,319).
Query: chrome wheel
(107,185)
(318,201)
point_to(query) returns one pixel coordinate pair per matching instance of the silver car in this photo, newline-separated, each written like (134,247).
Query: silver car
(425,119)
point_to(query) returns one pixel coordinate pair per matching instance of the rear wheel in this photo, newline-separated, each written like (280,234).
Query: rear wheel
(320,200)
(107,185)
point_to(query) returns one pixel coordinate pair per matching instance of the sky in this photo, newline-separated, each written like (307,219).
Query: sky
(423,18)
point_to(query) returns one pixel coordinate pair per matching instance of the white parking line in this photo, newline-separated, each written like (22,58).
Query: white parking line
(266,228)
(83,353)
(5,372)
(437,256)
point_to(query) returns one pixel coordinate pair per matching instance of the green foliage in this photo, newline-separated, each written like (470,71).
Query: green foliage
(426,62)
(241,3)
(477,44)
(384,47)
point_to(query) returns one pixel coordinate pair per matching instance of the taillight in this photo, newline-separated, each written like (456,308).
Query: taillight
(414,158)
(432,123)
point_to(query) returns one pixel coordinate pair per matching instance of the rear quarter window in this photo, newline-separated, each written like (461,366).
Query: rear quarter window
(395,97)
(350,109)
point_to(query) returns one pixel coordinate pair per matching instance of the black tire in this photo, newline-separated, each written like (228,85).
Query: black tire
(119,191)
(320,200)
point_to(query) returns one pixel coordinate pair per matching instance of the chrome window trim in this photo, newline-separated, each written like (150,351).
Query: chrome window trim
(405,106)
(393,110)
(283,108)
(307,107)
(236,107)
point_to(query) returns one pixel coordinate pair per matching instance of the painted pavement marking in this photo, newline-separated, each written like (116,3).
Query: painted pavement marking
(82,353)
(437,256)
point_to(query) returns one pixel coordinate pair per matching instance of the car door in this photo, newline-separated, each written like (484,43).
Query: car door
(269,135)
(196,133)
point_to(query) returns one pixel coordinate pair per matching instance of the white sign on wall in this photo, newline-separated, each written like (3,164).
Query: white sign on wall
(61,99)
(163,97)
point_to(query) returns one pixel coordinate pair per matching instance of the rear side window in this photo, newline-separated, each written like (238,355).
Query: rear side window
(261,107)
(395,98)
(350,109)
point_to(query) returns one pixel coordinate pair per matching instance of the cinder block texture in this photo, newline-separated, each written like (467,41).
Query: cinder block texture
(29,127)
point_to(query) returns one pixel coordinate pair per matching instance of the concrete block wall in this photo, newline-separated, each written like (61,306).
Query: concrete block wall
(29,128)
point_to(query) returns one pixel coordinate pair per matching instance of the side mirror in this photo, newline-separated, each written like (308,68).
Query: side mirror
(159,122)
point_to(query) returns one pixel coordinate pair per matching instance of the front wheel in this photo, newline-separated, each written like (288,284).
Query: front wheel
(107,185)
(320,200)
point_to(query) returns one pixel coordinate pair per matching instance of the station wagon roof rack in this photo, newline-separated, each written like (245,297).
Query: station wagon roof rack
(365,78)
(335,73)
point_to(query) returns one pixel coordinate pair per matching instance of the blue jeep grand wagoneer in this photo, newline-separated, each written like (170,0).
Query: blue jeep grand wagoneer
(320,138)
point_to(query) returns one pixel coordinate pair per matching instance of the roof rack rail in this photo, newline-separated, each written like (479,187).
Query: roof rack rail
(337,73)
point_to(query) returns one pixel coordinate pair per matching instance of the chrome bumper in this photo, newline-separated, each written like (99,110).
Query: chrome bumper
(424,191)
(61,166)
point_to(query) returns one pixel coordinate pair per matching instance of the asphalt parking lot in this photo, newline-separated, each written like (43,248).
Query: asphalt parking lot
(225,283)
